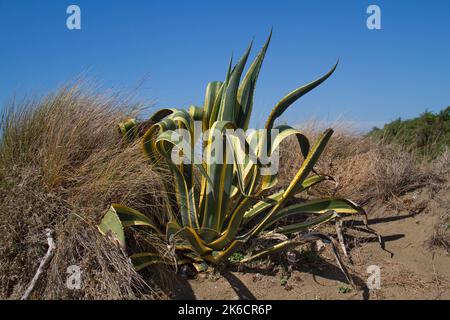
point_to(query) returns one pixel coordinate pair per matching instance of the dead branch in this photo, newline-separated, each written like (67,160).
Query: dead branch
(51,247)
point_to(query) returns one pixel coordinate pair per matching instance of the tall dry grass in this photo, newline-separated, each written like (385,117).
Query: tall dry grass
(366,170)
(61,166)
(376,175)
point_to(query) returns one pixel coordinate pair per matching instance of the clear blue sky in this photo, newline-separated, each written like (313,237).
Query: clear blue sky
(179,46)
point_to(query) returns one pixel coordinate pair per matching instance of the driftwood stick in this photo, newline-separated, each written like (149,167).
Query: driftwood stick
(339,231)
(51,247)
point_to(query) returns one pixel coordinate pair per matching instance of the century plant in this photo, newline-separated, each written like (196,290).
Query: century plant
(234,201)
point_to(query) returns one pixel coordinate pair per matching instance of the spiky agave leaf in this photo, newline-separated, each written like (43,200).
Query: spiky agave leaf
(235,201)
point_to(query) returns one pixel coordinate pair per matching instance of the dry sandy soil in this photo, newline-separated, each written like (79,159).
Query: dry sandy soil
(413,271)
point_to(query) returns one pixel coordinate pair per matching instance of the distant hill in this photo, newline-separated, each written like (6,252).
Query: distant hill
(428,134)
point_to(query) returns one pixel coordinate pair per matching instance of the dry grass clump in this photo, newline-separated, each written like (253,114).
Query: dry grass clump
(375,174)
(441,232)
(365,170)
(61,166)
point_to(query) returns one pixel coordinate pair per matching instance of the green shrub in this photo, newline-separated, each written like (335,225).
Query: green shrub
(427,135)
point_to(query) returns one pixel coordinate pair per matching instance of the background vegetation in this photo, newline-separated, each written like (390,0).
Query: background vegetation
(427,135)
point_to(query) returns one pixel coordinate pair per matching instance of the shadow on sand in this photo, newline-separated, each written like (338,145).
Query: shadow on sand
(319,268)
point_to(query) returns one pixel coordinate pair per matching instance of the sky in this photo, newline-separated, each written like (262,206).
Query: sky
(167,51)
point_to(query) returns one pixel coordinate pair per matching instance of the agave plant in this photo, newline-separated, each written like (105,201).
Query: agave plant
(234,201)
